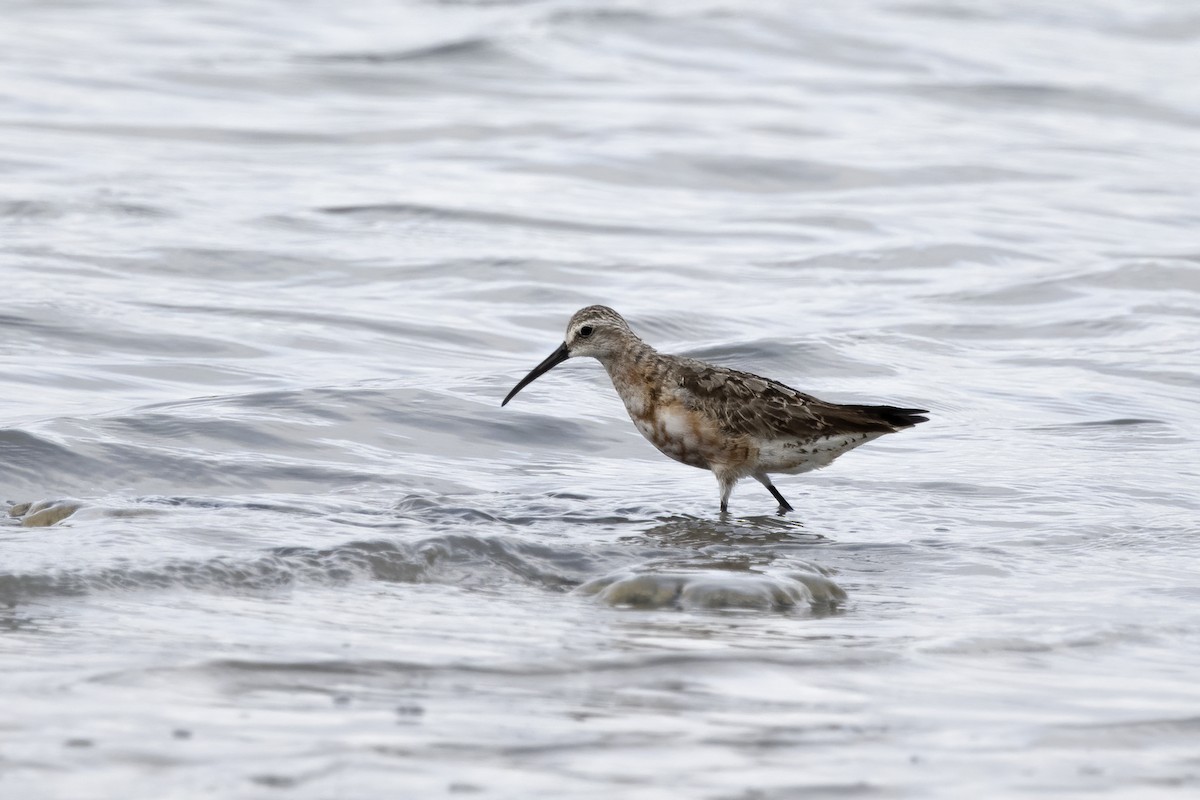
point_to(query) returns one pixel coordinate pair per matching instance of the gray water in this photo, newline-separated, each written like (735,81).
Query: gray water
(269,268)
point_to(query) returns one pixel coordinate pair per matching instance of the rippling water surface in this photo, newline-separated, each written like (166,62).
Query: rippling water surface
(269,268)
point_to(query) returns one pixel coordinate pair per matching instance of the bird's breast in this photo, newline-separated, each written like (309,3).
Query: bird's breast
(659,413)
(681,434)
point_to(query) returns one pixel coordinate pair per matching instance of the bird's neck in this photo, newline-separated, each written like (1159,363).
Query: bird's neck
(634,371)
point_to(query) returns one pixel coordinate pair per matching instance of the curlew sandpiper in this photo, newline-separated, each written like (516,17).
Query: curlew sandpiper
(734,423)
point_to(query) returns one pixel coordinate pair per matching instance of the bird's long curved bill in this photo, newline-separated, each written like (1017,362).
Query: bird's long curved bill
(553,360)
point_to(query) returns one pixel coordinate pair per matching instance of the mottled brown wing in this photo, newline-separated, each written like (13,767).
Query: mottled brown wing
(748,404)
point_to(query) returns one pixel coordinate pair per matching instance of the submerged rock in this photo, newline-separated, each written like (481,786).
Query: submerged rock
(715,589)
(44,513)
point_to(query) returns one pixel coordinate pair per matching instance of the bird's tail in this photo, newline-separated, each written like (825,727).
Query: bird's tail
(896,417)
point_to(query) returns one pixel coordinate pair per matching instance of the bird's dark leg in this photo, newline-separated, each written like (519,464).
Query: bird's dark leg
(783,504)
(727,483)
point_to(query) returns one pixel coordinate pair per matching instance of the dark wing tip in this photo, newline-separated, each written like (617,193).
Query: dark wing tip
(901,417)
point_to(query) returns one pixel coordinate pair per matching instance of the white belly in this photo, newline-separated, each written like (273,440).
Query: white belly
(792,456)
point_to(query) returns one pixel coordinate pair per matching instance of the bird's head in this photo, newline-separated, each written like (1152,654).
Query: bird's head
(595,331)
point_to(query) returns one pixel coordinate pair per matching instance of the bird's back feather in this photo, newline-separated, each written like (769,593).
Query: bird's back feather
(743,403)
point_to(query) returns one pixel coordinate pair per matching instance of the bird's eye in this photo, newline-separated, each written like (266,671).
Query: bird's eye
(585,331)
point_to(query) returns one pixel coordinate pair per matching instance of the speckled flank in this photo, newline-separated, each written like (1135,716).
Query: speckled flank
(734,423)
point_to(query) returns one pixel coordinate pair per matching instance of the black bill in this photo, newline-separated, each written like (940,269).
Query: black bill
(554,359)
